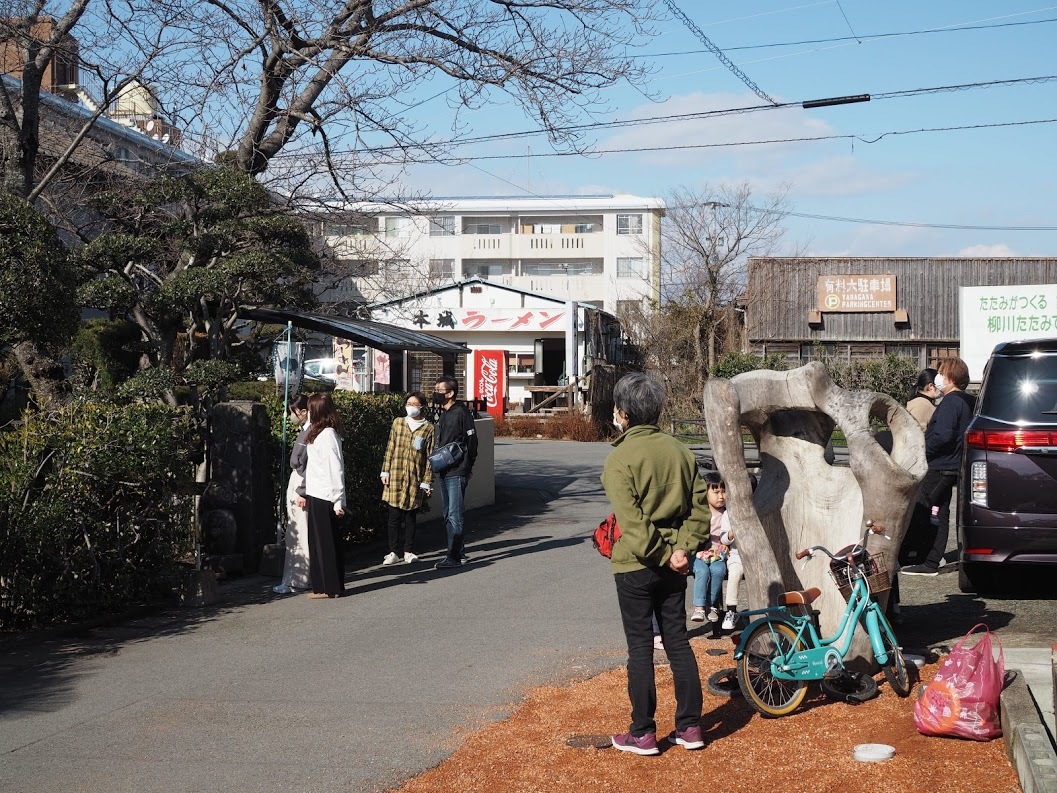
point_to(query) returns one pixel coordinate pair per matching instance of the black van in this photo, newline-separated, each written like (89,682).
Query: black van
(1007,493)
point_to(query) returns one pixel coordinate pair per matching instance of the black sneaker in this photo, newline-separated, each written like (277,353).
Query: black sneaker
(920,569)
(447,563)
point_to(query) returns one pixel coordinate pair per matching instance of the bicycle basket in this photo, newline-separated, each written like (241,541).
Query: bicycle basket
(863,565)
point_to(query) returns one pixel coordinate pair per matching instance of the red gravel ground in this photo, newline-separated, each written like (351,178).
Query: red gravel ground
(809,751)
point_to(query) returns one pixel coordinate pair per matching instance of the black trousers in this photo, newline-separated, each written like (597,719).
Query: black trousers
(326,562)
(407,519)
(642,595)
(925,543)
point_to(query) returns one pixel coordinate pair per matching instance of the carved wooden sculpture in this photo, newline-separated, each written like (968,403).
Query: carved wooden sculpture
(802,500)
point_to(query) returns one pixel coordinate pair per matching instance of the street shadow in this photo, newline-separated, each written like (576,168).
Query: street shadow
(39,670)
(948,621)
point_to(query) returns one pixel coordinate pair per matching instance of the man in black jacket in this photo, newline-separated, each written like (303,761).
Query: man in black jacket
(454,425)
(944,439)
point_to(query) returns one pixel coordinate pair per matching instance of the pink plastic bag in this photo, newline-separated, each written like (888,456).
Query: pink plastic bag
(962,699)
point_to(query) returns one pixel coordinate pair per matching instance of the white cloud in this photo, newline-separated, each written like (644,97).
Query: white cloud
(999,251)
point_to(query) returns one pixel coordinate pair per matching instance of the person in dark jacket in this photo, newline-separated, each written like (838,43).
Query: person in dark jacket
(661,505)
(454,425)
(944,438)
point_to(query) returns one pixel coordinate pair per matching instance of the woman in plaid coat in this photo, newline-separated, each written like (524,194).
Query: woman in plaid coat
(406,476)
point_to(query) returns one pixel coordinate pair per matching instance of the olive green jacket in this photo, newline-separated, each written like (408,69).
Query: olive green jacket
(659,499)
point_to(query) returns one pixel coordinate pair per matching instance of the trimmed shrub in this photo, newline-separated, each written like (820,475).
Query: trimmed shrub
(572,426)
(366,419)
(95,510)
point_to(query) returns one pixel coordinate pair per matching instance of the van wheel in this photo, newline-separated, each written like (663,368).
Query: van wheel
(974,577)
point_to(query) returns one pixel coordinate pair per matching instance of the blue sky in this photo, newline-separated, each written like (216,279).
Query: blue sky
(1003,176)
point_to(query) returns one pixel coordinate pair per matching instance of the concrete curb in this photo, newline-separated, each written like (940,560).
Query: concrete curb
(1027,741)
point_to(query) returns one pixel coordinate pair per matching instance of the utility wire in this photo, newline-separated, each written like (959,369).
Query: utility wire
(906,223)
(717,51)
(847,21)
(695,116)
(864,37)
(732,144)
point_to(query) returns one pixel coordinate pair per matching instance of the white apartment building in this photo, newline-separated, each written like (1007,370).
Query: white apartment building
(600,250)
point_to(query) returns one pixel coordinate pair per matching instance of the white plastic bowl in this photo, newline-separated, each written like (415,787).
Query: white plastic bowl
(874,752)
(916,660)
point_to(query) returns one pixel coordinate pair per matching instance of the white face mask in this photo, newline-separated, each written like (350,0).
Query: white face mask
(616,422)
(940,382)
(412,411)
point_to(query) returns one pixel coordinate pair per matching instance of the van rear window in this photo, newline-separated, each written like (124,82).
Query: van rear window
(1021,390)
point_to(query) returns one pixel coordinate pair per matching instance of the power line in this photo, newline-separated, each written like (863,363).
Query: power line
(717,51)
(732,144)
(905,223)
(695,116)
(847,21)
(861,38)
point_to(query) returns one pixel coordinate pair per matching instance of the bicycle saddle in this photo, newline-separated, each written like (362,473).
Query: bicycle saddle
(801,597)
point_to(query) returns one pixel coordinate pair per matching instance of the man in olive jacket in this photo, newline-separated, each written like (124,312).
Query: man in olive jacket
(652,482)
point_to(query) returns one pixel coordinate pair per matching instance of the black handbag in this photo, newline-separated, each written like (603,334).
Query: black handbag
(447,456)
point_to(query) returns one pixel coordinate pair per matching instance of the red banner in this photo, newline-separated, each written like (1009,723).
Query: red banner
(489,379)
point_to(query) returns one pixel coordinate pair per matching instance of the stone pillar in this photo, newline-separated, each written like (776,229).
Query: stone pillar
(241,479)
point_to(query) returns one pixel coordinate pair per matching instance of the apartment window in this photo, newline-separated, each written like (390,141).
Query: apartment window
(630,267)
(629,224)
(397,227)
(484,228)
(561,268)
(442,226)
(360,229)
(358,268)
(442,268)
(584,228)
(629,309)
(487,270)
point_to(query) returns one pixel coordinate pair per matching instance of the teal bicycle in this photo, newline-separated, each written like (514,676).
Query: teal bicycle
(781,651)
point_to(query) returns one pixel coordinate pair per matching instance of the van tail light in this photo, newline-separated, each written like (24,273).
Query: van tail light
(1009,440)
(978,483)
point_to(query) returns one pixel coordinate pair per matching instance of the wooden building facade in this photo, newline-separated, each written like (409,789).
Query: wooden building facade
(796,307)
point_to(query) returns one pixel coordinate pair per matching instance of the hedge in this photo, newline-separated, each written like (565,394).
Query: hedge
(95,510)
(366,420)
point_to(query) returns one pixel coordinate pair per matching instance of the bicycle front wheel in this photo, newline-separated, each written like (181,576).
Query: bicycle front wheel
(896,669)
(769,695)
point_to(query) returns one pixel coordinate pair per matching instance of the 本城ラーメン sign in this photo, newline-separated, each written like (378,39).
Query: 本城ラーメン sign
(846,293)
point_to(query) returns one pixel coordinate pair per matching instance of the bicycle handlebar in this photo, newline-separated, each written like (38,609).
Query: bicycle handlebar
(871,528)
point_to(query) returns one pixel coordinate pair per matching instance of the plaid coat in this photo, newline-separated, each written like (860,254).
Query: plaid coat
(408,469)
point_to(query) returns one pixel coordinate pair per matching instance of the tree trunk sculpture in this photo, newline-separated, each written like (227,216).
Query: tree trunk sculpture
(802,500)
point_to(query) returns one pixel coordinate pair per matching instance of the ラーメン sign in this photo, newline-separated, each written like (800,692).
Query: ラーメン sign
(848,293)
(989,315)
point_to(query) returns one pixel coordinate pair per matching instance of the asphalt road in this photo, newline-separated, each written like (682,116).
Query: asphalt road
(272,693)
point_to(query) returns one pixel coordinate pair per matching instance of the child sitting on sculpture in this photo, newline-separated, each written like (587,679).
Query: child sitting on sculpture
(710,562)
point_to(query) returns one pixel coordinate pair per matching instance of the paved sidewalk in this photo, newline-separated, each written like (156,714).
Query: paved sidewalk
(1036,664)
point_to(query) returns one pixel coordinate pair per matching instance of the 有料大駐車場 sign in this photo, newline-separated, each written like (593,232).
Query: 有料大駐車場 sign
(846,293)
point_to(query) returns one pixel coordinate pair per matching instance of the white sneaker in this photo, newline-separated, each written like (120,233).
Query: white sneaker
(409,558)
(713,614)
(658,642)
(390,558)
(728,620)
(282,589)
(698,615)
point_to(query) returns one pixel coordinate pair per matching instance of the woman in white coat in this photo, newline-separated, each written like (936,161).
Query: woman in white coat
(325,498)
(295,567)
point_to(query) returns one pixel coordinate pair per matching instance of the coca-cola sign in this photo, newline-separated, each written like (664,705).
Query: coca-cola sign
(490,379)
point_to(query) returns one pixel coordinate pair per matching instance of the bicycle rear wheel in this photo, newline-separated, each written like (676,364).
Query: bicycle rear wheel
(769,695)
(896,669)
